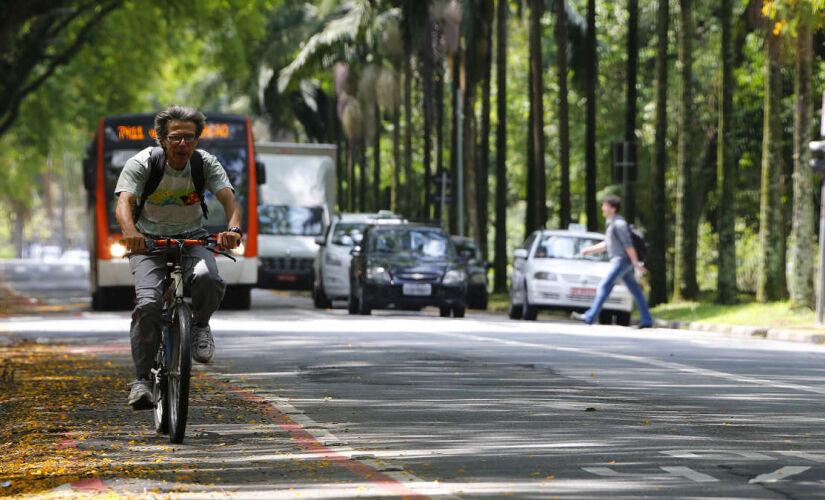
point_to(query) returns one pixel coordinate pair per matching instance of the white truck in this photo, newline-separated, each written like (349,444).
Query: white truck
(295,205)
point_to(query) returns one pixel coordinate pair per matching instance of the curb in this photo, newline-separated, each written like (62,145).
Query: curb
(809,336)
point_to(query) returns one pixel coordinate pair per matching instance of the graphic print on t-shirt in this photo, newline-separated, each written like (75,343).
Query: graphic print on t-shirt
(175,197)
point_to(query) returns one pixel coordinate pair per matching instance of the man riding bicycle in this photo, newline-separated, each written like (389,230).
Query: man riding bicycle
(174,209)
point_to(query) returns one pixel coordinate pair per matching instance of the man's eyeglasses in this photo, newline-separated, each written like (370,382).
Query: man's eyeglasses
(186,138)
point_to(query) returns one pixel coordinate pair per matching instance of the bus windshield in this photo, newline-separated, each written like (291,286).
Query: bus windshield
(233,158)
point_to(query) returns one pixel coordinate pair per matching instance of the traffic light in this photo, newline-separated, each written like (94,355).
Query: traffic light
(817,162)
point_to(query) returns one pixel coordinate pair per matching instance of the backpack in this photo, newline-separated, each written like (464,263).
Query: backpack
(639,243)
(157,161)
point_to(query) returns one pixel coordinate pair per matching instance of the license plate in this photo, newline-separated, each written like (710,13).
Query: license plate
(417,289)
(287,277)
(583,292)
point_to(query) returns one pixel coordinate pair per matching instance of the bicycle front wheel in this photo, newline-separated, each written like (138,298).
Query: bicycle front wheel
(180,368)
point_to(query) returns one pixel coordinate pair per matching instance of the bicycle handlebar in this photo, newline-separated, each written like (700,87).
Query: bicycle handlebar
(210,243)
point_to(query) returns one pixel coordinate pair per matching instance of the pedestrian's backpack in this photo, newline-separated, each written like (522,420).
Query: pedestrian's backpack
(157,161)
(639,242)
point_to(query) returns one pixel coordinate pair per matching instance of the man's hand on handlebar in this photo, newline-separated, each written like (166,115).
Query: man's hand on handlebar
(229,239)
(134,241)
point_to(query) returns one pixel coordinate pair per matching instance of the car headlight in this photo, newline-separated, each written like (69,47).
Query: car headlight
(454,277)
(545,276)
(117,250)
(378,274)
(332,260)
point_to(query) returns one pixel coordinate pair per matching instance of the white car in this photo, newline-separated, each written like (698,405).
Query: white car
(549,272)
(332,262)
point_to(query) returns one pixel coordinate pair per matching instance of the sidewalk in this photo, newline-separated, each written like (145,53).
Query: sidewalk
(812,334)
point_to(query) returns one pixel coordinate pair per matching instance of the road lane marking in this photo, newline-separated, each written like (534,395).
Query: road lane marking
(778,474)
(718,455)
(313,438)
(683,472)
(704,372)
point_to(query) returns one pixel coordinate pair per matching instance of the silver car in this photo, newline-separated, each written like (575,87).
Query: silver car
(549,272)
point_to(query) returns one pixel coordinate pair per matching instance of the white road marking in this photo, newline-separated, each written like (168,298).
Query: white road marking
(684,472)
(704,372)
(782,473)
(718,455)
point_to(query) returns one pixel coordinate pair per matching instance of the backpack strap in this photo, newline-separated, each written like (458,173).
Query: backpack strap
(199,179)
(157,160)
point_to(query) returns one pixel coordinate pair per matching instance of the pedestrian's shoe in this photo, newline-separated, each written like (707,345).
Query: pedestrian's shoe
(203,344)
(642,326)
(140,397)
(577,316)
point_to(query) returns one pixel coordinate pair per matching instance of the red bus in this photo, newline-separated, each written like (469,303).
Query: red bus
(229,138)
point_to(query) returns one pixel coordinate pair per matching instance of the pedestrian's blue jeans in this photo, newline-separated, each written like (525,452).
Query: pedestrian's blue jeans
(620,268)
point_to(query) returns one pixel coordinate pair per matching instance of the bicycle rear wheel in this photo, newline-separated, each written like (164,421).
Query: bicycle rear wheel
(180,368)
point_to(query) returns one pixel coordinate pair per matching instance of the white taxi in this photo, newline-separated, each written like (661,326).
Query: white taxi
(549,272)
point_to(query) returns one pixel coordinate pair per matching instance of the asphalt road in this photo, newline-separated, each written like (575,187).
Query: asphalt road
(411,403)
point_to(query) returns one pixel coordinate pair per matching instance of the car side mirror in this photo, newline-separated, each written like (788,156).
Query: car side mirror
(320,241)
(520,253)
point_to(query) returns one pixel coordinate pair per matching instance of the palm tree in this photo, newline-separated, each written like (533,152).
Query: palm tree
(726,166)
(590,132)
(684,272)
(539,184)
(770,277)
(564,125)
(658,221)
(629,204)
(800,279)
(500,264)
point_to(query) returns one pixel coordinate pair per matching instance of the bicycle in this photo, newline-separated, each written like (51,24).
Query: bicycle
(173,361)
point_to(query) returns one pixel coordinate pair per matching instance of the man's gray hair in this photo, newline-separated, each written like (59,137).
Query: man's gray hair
(182,113)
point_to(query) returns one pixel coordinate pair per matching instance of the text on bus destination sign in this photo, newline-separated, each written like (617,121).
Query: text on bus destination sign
(139,132)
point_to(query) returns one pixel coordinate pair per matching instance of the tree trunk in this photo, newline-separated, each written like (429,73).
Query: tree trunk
(629,202)
(483,177)
(530,193)
(684,278)
(590,127)
(407,207)
(801,272)
(350,175)
(455,92)
(726,167)
(396,159)
(564,122)
(376,162)
(362,171)
(537,107)
(427,97)
(439,127)
(657,235)
(770,273)
(500,264)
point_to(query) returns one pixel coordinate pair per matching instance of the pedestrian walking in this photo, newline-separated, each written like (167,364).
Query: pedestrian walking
(623,260)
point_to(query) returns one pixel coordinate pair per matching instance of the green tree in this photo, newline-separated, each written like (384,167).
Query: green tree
(726,166)
(500,245)
(563,110)
(591,78)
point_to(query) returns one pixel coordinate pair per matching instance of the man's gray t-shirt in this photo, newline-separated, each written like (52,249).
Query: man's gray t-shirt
(174,208)
(617,237)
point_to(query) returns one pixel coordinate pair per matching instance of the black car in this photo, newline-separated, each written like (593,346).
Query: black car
(478,287)
(407,266)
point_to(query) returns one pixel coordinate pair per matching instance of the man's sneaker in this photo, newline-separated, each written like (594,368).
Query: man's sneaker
(577,316)
(140,397)
(203,344)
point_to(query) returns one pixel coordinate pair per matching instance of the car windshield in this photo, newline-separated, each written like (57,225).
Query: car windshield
(428,243)
(347,234)
(290,220)
(554,246)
